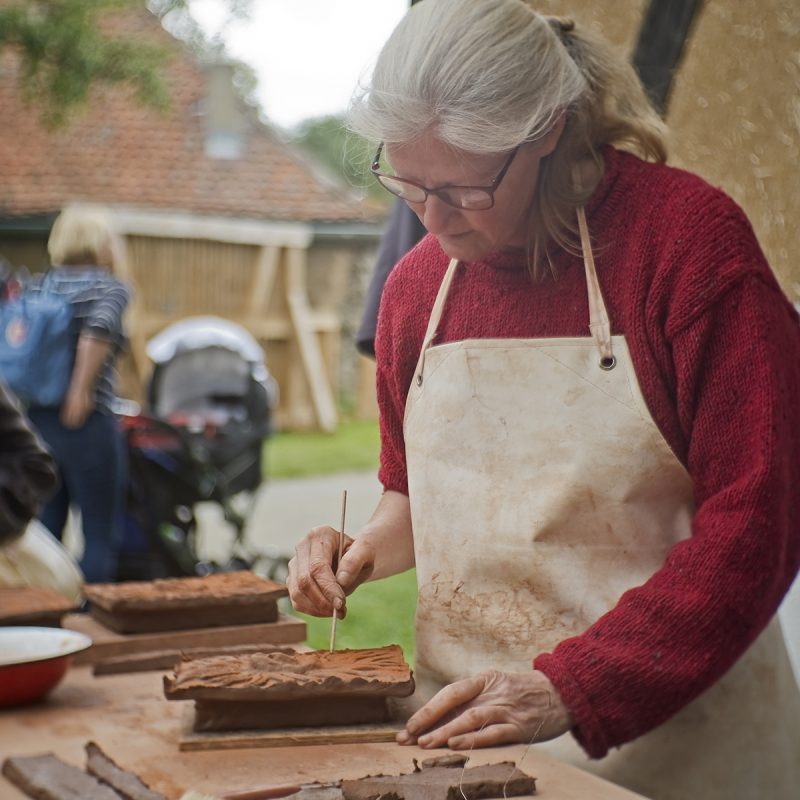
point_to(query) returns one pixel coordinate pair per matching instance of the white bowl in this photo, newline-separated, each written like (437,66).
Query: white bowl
(34,660)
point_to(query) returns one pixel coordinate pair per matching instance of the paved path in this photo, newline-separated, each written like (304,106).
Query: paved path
(286,510)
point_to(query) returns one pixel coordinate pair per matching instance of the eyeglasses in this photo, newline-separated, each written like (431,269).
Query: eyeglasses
(470,198)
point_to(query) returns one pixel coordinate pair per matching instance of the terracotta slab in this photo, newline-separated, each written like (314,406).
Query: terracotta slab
(269,691)
(33,605)
(107,643)
(181,603)
(373,672)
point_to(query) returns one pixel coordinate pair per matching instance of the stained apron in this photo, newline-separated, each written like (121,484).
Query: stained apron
(541,490)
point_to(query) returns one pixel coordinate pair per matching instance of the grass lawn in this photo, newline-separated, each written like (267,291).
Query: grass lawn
(378,613)
(353,446)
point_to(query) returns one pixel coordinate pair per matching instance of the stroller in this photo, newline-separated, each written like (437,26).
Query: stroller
(200,439)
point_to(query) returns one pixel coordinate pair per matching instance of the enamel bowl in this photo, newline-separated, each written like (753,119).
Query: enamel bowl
(34,660)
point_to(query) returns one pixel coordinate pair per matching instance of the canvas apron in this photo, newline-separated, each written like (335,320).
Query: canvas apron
(541,490)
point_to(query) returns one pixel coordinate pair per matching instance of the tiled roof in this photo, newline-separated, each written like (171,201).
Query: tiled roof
(118,152)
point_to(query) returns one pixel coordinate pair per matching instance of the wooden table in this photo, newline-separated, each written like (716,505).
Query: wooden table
(129,718)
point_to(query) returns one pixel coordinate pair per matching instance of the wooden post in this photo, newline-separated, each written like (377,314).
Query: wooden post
(306,339)
(263,281)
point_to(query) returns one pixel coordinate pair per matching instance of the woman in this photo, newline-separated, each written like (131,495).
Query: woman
(619,508)
(83,433)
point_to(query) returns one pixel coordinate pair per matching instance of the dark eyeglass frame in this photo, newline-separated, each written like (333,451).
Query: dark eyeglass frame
(442,191)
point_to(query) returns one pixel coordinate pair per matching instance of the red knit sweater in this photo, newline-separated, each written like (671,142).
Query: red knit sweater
(716,348)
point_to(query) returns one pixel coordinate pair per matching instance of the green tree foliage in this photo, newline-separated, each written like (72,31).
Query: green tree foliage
(62,53)
(63,50)
(347,155)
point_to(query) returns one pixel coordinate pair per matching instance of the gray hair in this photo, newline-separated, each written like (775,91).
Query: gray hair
(485,75)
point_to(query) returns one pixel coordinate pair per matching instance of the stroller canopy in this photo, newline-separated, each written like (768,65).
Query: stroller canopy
(197,333)
(203,363)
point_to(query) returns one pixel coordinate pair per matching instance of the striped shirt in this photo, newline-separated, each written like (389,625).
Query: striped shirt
(98,301)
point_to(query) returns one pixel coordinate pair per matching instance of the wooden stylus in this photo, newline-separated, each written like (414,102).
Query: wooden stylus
(338,561)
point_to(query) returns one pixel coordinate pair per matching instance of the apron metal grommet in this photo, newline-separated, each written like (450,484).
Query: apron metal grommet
(608,363)
(419,380)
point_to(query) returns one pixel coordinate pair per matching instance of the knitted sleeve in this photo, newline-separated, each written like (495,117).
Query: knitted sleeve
(734,342)
(407,298)
(389,348)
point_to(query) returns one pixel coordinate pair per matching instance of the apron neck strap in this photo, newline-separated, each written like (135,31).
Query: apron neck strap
(599,325)
(436,315)
(598,317)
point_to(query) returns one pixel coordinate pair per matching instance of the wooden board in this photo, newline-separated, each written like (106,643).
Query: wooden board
(282,737)
(129,717)
(107,643)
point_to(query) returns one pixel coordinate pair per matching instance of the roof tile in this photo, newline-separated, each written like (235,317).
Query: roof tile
(118,152)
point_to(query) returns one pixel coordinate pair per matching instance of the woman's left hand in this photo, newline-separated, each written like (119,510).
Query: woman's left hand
(489,709)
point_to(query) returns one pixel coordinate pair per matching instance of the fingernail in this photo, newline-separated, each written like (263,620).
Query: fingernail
(342,577)
(424,741)
(338,603)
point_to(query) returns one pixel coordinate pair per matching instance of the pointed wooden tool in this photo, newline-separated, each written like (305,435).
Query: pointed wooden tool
(338,561)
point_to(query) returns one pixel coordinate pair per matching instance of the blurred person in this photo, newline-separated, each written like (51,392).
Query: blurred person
(588,381)
(29,555)
(83,433)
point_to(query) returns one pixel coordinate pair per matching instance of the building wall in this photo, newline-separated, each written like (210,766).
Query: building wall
(24,251)
(734,109)
(348,295)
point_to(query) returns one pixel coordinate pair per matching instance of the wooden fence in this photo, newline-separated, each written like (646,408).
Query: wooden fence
(257,278)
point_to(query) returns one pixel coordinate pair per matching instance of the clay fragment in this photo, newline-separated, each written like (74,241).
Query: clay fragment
(451,782)
(229,598)
(47,777)
(33,605)
(126,784)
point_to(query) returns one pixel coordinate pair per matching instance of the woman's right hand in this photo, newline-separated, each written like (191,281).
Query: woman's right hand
(314,587)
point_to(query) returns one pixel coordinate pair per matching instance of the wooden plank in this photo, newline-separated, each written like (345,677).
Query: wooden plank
(263,281)
(282,737)
(107,643)
(308,344)
(366,398)
(176,225)
(159,660)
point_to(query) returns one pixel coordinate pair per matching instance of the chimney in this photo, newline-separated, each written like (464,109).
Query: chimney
(225,122)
